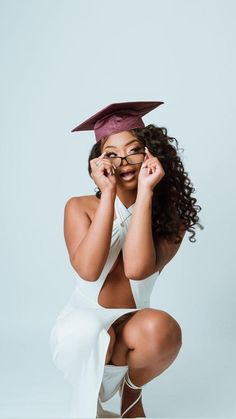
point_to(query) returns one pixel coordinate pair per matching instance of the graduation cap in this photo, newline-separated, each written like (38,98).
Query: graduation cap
(117,117)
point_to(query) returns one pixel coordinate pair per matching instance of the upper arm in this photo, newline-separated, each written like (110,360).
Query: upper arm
(76,224)
(166,250)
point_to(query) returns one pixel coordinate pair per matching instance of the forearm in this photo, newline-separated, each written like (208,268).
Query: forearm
(139,251)
(91,254)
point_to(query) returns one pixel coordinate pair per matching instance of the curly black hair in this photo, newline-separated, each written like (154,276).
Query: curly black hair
(173,207)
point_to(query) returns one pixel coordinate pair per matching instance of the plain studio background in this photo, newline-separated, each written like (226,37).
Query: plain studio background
(62,61)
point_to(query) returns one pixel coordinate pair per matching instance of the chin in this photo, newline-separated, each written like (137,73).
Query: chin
(128,186)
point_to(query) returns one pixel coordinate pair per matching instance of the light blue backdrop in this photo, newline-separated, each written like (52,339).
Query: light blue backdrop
(62,61)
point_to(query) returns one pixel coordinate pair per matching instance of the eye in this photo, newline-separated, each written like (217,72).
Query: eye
(136,149)
(109,154)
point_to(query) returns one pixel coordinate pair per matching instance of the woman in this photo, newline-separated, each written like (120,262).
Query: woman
(107,338)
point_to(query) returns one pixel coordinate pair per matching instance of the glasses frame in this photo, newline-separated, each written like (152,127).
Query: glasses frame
(125,158)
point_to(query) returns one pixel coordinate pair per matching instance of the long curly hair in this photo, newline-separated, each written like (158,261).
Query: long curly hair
(173,207)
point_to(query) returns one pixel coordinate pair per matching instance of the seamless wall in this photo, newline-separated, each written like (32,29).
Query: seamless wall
(62,61)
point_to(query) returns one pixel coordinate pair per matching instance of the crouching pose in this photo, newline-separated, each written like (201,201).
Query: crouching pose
(107,338)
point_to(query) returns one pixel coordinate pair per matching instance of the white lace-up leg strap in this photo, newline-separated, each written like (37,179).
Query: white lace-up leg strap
(128,381)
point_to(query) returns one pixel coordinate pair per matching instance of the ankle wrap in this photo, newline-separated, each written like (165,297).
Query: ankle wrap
(130,384)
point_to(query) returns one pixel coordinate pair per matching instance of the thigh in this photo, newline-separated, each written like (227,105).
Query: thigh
(116,344)
(115,328)
(148,325)
(118,325)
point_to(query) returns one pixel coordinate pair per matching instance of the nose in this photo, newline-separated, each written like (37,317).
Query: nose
(124,161)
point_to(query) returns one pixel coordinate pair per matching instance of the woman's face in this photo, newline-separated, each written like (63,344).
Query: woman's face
(125,144)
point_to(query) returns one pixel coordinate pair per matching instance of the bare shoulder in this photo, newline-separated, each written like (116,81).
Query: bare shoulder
(78,215)
(86,204)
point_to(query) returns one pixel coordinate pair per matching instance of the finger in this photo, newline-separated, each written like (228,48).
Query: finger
(147,167)
(95,161)
(151,168)
(99,158)
(100,161)
(152,160)
(154,167)
(104,158)
(105,165)
(102,155)
(148,152)
(109,164)
(146,163)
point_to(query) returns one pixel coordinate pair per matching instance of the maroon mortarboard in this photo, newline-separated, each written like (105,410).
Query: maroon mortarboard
(117,117)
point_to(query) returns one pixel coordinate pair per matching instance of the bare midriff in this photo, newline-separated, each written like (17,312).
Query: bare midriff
(116,290)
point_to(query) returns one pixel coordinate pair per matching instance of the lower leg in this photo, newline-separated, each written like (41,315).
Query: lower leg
(131,399)
(148,344)
(140,376)
(142,372)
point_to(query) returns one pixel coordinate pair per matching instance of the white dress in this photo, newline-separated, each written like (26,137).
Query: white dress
(79,339)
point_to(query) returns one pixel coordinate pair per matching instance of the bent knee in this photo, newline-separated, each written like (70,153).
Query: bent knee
(154,326)
(164,329)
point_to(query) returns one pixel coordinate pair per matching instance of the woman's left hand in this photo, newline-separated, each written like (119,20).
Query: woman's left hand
(151,171)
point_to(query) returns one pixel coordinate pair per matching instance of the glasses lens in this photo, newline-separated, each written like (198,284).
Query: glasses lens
(132,159)
(135,158)
(115,161)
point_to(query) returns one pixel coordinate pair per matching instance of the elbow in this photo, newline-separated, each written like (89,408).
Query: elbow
(130,271)
(134,276)
(138,272)
(88,274)
(139,267)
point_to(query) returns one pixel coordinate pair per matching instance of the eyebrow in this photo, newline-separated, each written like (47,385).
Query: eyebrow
(112,146)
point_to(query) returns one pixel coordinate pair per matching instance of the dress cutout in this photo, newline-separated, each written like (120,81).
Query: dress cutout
(79,339)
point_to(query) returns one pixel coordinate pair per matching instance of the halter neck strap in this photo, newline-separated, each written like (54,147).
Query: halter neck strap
(122,213)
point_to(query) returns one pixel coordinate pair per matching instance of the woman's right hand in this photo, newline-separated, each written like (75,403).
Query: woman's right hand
(103,173)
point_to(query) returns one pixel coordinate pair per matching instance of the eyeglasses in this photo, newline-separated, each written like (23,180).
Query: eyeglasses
(136,158)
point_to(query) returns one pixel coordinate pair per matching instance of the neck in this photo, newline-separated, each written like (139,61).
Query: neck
(127,197)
